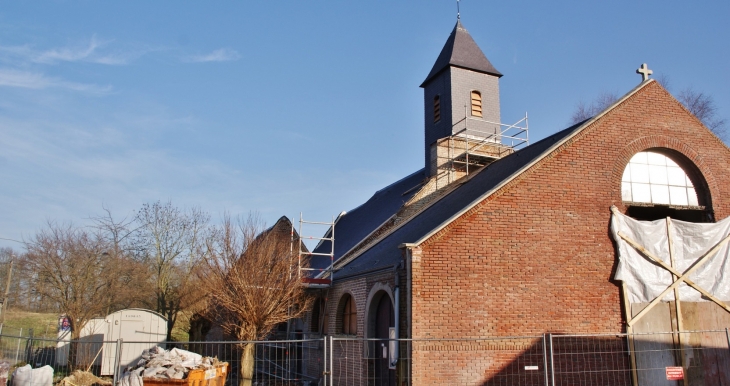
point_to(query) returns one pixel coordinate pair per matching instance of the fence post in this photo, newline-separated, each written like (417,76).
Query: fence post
(324,359)
(331,368)
(17,349)
(117,361)
(544,358)
(29,348)
(552,360)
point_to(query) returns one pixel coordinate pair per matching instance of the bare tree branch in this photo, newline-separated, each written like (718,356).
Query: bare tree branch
(703,107)
(583,111)
(169,241)
(698,103)
(81,272)
(252,282)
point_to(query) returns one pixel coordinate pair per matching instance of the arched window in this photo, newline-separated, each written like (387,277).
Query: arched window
(653,178)
(476,104)
(349,316)
(436,108)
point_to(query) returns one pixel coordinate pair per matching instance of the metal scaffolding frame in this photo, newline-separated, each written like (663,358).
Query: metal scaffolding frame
(315,277)
(470,148)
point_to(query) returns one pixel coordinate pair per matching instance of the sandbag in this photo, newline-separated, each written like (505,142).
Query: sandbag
(27,376)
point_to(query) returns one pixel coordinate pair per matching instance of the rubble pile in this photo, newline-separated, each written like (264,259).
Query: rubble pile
(83,378)
(160,363)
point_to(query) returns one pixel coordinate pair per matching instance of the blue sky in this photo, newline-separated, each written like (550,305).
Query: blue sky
(291,106)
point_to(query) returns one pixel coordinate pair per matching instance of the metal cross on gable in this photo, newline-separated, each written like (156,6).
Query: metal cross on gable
(644,71)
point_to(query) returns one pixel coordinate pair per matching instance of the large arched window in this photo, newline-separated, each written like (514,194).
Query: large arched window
(653,178)
(476,104)
(349,315)
(655,186)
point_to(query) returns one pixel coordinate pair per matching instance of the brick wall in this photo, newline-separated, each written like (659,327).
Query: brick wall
(536,256)
(352,366)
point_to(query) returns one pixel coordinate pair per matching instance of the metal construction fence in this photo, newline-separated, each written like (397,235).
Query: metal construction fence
(686,358)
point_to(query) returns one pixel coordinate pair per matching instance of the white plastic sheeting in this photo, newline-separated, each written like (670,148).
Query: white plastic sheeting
(646,280)
(27,376)
(160,363)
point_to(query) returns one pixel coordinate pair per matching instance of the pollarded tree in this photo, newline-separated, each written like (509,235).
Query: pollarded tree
(252,283)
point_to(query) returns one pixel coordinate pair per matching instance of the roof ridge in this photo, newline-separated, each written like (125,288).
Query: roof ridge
(576,129)
(581,127)
(366,243)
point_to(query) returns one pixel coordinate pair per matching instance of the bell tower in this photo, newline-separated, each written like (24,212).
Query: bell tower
(461,92)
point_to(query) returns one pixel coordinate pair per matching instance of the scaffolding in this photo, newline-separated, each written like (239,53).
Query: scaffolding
(476,143)
(315,277)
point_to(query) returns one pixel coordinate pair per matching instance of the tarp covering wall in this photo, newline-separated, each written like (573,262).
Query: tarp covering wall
(646,280)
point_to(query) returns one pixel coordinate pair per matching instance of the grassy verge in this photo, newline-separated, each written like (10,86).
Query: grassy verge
(43,324)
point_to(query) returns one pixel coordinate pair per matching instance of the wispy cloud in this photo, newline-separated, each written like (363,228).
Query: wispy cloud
(219,55)
(34,80)
(69,54)
(94,51)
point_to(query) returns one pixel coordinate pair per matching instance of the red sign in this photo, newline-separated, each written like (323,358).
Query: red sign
(675,373)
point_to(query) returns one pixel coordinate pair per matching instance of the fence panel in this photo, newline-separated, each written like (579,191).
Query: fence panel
(492,361)
(553,360)
(590,360)
(703,357)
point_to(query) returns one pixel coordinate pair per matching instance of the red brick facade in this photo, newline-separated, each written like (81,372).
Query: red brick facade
(536,256)
(533,257)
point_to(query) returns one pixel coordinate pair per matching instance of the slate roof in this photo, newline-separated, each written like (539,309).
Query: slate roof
(386,253)
(356,224)
(462,51)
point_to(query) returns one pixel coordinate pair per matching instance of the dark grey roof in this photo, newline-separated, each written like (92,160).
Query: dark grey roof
(460,50)
(356,224)
(386,253)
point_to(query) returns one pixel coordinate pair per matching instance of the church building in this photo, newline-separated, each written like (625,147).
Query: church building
(495,237)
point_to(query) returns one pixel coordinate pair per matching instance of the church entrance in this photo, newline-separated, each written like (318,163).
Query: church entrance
(383,375)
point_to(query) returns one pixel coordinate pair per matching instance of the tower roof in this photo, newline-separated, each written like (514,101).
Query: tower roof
(460,50)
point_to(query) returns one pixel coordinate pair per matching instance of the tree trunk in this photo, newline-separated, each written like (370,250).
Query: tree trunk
(247,364)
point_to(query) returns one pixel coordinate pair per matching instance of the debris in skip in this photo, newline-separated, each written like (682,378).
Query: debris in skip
(174,367)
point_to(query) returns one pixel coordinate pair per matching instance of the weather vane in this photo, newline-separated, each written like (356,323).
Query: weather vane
(458,13)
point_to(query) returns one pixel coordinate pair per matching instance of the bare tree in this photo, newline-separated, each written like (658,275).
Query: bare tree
(698,103)
(78,271)
(118,233)
(703,107)
(583,111)
(168,241)
(252,282)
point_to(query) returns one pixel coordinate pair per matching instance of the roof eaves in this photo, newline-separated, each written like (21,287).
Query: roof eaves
(529,165)
(344,260)
(324,274)
(436,74)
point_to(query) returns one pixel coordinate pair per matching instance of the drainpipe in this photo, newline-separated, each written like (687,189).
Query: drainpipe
(396,307)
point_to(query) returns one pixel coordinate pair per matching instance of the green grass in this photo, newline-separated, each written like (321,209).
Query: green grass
(46,325)
(43,324)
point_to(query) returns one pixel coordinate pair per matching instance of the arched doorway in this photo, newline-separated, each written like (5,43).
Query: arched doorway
(384,320)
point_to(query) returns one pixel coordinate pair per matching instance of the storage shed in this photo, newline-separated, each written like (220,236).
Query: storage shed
(137,328)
